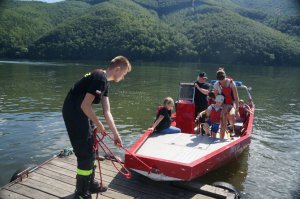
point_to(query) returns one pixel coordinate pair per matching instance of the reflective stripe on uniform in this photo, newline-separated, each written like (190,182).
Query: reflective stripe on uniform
(84,172)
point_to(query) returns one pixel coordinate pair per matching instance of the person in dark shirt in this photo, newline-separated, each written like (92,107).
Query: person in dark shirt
(80,118)
(162,123)
(201,92)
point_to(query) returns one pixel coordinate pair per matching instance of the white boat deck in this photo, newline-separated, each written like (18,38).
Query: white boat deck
(180,147)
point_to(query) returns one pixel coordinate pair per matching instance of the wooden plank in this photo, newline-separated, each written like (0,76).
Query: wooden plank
(50,189)
(56,179)
(29,192)
(135,183)
(106,164)
(119,183)
(7,194)
(55,183)
(69,175)
(57,176)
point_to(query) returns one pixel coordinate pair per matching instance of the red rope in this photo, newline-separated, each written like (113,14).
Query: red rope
(99,142)
(138,159)
(107,151)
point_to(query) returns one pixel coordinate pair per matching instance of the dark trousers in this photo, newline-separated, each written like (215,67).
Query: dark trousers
(80,133)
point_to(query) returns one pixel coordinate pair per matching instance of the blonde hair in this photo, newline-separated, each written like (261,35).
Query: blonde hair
(120,61)
(168,100)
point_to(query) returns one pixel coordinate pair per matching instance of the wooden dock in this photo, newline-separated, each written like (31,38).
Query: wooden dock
(56,179)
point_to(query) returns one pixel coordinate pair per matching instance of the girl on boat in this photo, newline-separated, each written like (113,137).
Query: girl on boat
(213,112)
(162,123)
(226,87)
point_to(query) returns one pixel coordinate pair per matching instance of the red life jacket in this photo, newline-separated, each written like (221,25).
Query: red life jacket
(242,112)
(215,116)
(227,92)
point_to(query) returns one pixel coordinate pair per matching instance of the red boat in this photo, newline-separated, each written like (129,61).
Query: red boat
(188,155)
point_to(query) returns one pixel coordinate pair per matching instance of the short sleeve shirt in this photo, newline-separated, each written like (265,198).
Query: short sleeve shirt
(200,98)
(94,83)
(166,122)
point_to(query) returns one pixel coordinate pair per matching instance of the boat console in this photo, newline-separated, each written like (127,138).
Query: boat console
(185,108)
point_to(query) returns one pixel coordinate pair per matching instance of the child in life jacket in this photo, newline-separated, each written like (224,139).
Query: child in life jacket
(210,100)
(213,113)
(244,111)
(162,123)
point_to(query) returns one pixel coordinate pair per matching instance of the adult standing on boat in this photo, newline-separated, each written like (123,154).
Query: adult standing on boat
(201,92)
(226,87)
(78,115)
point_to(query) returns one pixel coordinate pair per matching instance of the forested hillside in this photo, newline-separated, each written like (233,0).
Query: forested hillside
(109,29)
(277,7)
(227,31)
(22,23)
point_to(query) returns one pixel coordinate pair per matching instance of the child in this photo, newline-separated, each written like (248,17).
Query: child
(201,119)
(243,110)
(163,120)
(214,114)
(211,97)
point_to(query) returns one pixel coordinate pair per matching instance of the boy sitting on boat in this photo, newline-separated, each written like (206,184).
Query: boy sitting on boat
(162,123)
(213,112)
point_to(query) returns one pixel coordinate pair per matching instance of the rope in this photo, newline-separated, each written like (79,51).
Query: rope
(107,151)
(99,142)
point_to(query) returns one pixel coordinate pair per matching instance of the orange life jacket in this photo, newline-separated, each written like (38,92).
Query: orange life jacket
(227,92)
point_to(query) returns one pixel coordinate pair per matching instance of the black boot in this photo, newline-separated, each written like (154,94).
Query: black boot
(94,186)
(82,187)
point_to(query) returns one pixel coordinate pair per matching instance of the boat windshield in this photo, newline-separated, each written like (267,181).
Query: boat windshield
(186,92)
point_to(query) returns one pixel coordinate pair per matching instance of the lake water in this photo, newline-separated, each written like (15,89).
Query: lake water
(32,129)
